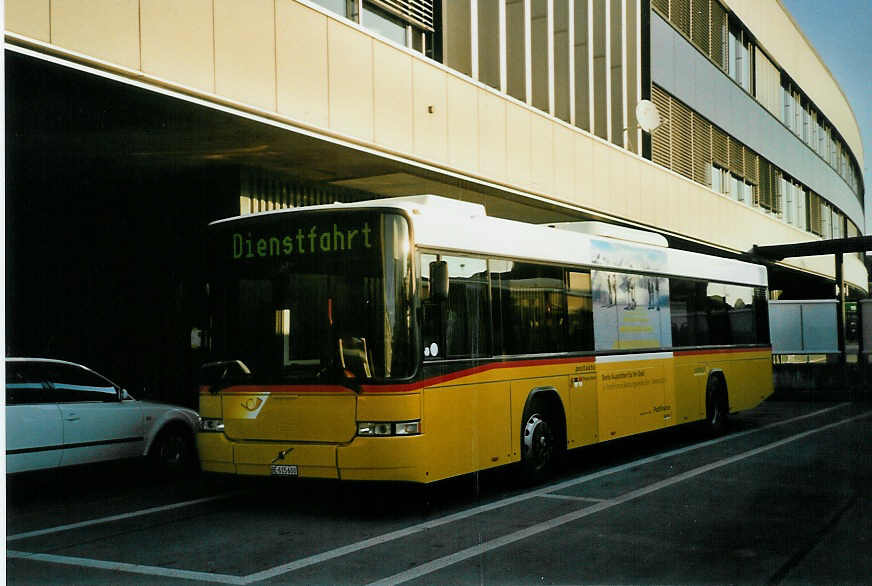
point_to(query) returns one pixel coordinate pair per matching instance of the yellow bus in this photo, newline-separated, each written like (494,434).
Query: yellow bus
(416,339)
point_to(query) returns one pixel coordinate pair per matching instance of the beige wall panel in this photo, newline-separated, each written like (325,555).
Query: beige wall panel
(491,135)
(603,198)
(542,155)
(106,30)
(245,52)
(777,33)
(518,136)
(30,18)
(177,41)
(462,124)
(618,182)
(301,63)
(632,185)
(688,208)
(350,80)
(649,198)
(392,79)
(431,128)
(584,174)
(663,185)
(708,222)
(564,163)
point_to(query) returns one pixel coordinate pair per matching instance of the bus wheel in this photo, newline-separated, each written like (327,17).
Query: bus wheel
(717,406)
(539,447)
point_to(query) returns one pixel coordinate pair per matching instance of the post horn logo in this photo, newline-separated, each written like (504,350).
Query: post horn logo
(252,403)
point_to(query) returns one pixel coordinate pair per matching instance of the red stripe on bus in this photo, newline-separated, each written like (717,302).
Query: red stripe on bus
(396,388)
(471,371)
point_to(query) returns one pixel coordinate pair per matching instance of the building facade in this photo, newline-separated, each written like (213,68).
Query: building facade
(186,111)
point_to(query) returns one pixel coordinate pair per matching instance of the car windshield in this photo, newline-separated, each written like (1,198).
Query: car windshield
(307,295)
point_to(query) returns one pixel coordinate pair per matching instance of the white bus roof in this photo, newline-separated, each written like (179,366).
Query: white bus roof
(450,225)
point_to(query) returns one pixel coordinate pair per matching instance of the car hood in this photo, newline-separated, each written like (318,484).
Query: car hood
(171,411)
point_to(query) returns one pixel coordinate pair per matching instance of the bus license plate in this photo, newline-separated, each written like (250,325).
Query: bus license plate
(284,470)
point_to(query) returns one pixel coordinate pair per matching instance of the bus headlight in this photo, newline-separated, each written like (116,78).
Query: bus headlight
(388,428)
(211,424)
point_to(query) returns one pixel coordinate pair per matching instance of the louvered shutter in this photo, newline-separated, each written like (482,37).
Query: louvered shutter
(662,7)
(679,14)
(682,139)
(700,25)
(417,12)
(814,213)
(777,195)
(702,149)
(660,139)
(720,148)
(737,160)
(752,161)
(718,48)
(765,185)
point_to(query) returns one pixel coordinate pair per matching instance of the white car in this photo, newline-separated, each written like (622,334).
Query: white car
(60,413)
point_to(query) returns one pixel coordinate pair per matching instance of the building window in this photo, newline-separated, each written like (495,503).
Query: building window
(740,51)
(341,7)
(382,22)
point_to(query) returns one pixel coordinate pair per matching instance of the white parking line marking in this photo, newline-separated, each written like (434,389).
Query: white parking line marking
(482,548)
(129,568)
(563,497)
(387,537)
(120,517)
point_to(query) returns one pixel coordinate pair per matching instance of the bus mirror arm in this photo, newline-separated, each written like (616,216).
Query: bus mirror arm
(439,280)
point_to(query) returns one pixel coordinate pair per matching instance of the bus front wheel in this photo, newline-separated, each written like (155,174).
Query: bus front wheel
(717,406)
(540,449)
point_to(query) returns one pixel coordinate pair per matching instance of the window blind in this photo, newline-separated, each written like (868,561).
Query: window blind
(417,12)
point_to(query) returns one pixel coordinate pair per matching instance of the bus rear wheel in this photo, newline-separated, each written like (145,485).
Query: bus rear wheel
(717,406)
(540,450)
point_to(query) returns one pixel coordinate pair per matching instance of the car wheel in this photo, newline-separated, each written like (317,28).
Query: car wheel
(173,451)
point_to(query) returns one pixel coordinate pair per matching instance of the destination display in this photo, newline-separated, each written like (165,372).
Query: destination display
(314,239)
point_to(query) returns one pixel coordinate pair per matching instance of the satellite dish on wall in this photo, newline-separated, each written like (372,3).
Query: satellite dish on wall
(647,115)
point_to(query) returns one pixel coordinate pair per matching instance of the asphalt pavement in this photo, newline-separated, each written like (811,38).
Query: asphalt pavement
(783,498)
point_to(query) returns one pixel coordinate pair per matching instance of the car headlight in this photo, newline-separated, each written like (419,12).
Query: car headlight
(211,424)
(388,428)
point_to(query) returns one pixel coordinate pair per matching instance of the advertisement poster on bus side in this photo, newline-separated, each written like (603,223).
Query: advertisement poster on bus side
(631,310)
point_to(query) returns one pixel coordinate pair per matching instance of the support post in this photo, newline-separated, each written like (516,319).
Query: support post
(840,309)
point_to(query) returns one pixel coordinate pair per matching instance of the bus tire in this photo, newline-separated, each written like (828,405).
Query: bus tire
(541,450)
(717,406)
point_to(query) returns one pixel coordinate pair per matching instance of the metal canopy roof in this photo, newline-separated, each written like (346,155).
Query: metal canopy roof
(820,247)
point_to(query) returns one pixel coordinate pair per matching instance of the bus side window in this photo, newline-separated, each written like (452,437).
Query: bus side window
(529,307)
(431,314)
(579,311)
(467,321)
(460,326)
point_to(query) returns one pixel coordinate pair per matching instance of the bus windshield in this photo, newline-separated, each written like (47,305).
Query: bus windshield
(314,296)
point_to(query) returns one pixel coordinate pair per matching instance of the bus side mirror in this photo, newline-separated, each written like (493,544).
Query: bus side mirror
(217,375)
(439,280)
(354,357)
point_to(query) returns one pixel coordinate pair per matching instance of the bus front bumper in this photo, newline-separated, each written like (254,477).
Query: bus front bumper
(364,458)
